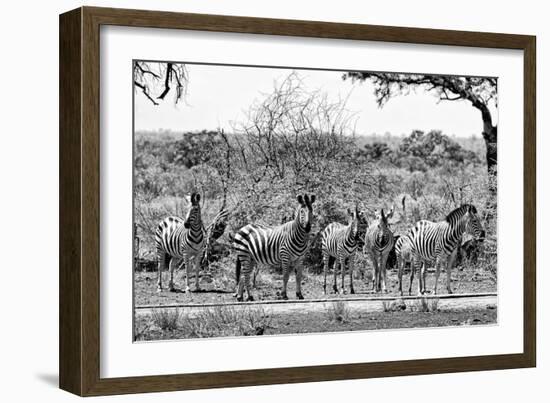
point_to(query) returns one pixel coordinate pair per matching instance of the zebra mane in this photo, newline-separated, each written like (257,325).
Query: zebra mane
(460,211)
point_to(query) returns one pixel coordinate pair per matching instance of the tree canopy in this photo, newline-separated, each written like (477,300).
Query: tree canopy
(481,92)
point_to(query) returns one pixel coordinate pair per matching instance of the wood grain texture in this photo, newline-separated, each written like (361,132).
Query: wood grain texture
(79,200)
(70,274)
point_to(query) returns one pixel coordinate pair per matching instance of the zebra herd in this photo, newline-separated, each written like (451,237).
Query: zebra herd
(286,244)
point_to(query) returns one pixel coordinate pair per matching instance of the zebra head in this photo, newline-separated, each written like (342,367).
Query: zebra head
(304,213)
(473,223)
(193,217)
(382,226)
(359,223)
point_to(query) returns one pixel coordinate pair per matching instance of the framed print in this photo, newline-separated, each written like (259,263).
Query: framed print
(282,201)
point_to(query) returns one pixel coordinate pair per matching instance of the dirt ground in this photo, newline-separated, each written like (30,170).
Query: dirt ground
(320,322)
(218,286)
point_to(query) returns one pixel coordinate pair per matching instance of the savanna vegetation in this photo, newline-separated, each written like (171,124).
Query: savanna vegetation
(296,141)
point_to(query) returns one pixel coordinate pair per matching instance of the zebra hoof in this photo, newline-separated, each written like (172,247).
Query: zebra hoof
(284,296)
(299,295)
(159,289)
(352,291)
(250,298)
(239,299)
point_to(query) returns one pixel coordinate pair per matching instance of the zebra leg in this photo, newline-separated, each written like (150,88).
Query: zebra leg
(161,256)
(351,264)
(335,276)
(255,270)
(186,259)
(240,280)
(286,273)
(171,268)
(246,273)
(375,273)
(400,274)
(382,268)
(450,264)
(197,270)
(325,269)
(299,294)
(422,276)
(413,268)
(343,273)
(437,270)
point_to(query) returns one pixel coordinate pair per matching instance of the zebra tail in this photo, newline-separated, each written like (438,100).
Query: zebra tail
(238,270)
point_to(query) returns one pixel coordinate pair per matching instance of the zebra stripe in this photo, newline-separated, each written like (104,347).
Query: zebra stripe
(438,241)
(340,242)
(378,244)
(284,244)
(181,239)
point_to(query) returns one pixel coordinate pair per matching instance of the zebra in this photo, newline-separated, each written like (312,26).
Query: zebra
(283,244)
(439,241)
(338,243)
(378,244)
(183,239)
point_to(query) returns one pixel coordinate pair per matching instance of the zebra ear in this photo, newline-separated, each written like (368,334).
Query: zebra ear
(384,218)
(390,214)
(197,198)
(312,199)
(300,199)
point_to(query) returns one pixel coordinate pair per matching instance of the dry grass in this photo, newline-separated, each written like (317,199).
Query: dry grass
(394,306)
(338,311)
(166,319)
(224,321)
(425,305)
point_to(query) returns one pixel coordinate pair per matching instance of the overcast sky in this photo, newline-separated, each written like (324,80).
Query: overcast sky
(219,95)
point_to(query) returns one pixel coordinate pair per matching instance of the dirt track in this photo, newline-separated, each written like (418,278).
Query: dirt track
(358,303)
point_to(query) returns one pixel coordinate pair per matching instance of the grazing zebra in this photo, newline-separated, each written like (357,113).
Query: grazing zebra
(439,241)
(339,242)
(378,244)
(183,239)
(403,251)
(283,244)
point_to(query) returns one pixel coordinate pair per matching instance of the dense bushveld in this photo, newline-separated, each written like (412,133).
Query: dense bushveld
(295,142)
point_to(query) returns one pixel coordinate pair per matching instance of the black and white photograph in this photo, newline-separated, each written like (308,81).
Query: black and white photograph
(276,200)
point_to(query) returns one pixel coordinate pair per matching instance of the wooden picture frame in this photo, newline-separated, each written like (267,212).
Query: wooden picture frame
(79,282)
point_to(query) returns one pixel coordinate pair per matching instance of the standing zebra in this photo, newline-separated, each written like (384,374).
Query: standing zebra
(439,241)
(284,244)
(339,242)
(378,244)
(177,238)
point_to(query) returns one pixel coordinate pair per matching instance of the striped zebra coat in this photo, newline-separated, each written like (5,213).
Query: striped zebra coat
(338,243)
(439,242)
(378,244)
(181,239)
(285,244)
